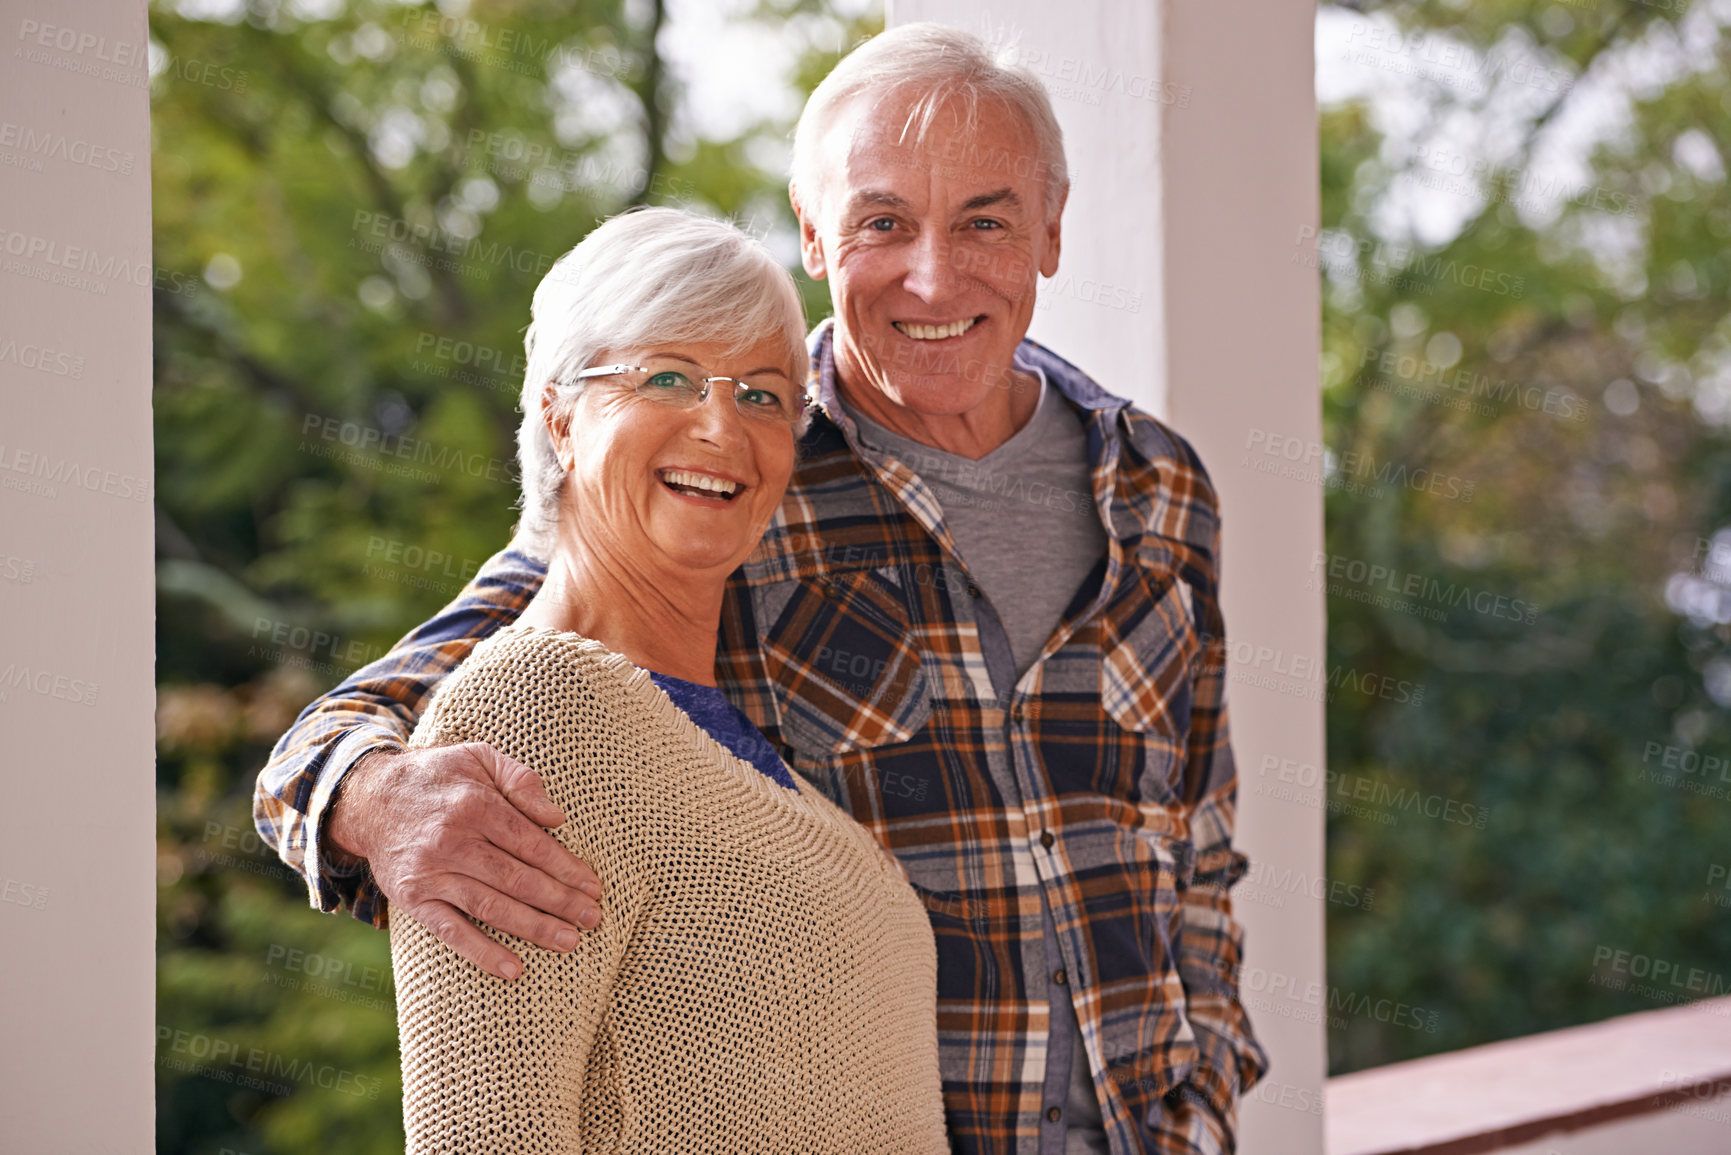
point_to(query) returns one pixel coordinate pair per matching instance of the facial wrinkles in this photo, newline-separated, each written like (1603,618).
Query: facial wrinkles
(935,266)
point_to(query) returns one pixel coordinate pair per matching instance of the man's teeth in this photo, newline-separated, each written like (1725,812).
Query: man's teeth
(699,481)
(935,332)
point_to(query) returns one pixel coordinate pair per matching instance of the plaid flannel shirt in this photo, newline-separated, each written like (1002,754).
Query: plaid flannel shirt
(1102,787)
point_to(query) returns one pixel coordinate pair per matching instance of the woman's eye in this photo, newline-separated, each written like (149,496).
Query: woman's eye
(762,399)
(667,382)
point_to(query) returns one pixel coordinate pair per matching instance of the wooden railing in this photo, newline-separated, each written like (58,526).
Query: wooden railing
(1501,1095)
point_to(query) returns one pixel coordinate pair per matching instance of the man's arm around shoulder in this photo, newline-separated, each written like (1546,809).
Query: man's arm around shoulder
(437,830)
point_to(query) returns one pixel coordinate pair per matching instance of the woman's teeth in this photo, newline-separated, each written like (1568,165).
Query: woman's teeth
(935,332)
(683,479)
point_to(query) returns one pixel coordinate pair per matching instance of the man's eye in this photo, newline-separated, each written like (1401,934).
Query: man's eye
(881,224)
(986,223)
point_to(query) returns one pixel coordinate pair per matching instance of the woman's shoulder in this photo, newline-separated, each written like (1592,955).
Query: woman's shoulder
(545,689)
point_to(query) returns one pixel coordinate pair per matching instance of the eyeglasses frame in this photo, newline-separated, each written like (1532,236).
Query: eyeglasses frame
(704,388)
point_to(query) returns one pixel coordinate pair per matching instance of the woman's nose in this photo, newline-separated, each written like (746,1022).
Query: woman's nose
(716,418)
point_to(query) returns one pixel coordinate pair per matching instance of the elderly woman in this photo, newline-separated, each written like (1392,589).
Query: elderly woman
(764,979)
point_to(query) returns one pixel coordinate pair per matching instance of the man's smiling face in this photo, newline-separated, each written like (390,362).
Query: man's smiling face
(933,249)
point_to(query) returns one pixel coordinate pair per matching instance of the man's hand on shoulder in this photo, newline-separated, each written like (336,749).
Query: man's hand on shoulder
(454,830)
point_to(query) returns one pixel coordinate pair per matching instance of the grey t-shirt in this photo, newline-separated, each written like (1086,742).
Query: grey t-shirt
(1023,516)
(1028,531)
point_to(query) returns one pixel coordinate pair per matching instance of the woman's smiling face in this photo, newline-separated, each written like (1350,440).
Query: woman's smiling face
(650,484)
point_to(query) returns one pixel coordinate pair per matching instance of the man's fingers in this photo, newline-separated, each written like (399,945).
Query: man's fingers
(464,937)
(545,900)
(507,828)
(519,784)
(499,911)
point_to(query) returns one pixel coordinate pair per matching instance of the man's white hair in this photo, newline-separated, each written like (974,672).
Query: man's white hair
(651,276)
(931,64)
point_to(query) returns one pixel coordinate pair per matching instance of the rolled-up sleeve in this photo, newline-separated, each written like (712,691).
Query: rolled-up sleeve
(374,709)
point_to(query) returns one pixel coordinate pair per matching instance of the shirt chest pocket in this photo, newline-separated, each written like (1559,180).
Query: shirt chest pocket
(842,660)
(1151,649)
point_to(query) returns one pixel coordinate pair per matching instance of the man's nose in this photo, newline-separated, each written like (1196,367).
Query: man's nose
(932,273)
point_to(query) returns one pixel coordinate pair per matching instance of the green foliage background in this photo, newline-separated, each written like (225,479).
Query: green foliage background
(1503,931)
(382,181)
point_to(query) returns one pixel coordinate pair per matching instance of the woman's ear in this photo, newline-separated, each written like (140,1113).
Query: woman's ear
(557,418)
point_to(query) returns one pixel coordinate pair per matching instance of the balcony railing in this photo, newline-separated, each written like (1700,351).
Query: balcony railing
(1661,1080)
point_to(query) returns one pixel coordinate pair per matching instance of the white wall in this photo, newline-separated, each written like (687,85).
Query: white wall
(1192,139)
(77,841)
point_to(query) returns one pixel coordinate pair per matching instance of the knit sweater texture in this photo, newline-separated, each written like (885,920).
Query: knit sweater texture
(763,978)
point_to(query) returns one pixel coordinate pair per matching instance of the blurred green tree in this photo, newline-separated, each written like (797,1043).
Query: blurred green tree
(1527,402)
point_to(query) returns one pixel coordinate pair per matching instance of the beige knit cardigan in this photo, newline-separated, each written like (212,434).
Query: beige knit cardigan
(763,979)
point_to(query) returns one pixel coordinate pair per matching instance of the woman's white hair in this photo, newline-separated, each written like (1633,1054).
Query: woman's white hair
(932,64)
(651,276)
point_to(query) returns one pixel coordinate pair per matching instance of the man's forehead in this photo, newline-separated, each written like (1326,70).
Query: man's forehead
(877,149)
(892,121)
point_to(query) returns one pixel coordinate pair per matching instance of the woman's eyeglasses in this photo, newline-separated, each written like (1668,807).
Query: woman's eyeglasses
(766,397)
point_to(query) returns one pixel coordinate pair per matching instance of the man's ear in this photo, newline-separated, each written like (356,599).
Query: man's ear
(810,248)
(1054,236)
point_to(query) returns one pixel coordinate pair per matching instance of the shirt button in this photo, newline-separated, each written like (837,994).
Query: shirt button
(1054,1114)
(1046,839)
(973,590)
(1016,712)
(1060,977)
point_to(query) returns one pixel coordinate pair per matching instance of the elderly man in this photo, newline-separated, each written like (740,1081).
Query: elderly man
(985,622)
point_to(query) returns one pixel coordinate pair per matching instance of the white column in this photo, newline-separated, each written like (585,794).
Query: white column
(77,607)
(1192,141)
